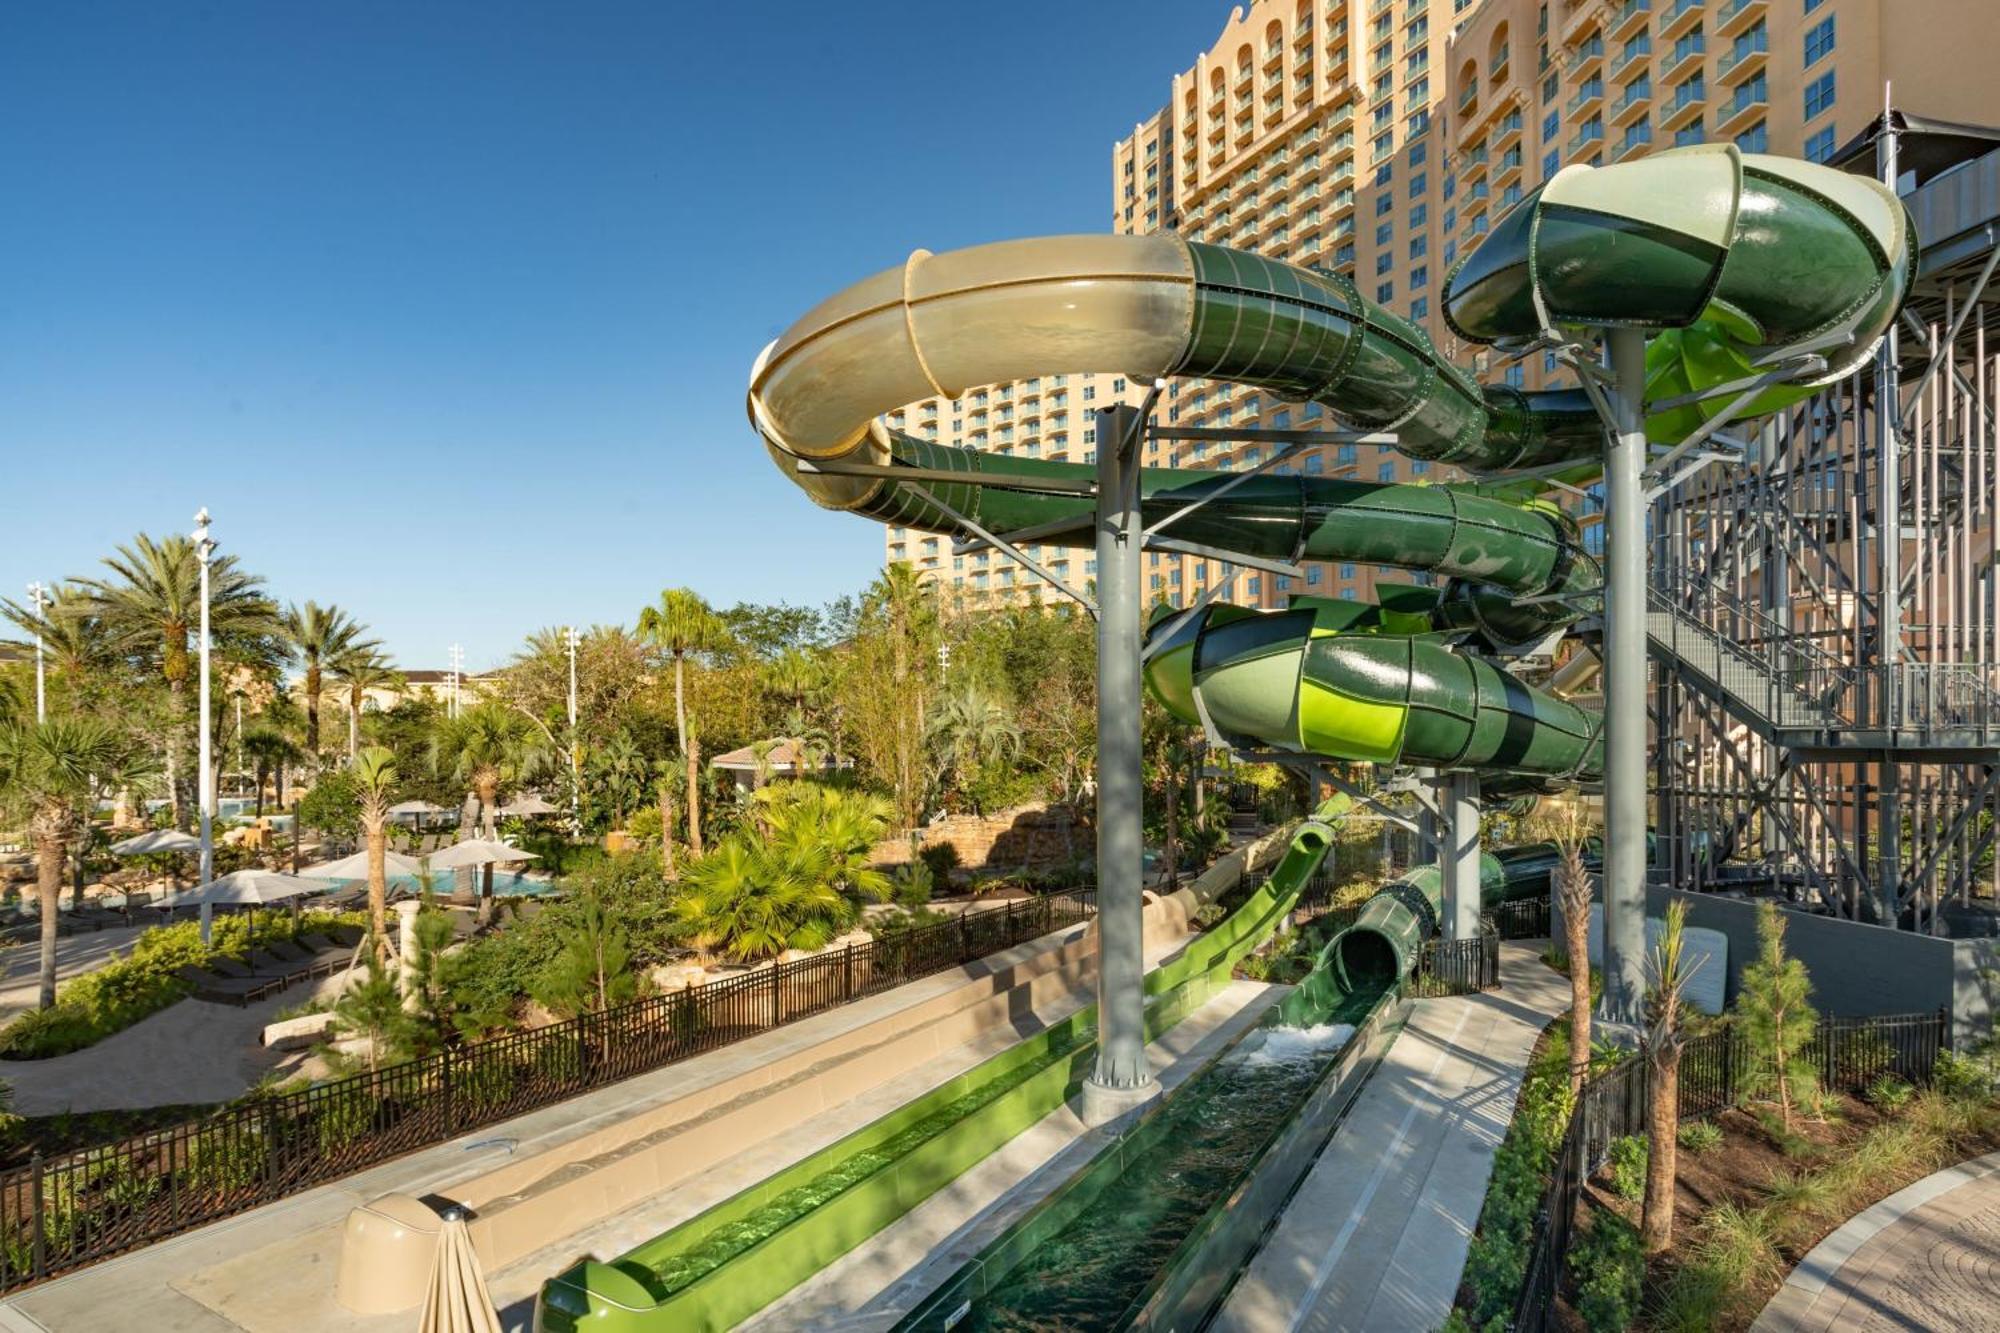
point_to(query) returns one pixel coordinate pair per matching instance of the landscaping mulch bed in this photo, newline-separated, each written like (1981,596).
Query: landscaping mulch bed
(1739,1172)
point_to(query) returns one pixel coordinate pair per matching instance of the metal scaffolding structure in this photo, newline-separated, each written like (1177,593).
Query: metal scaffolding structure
(1823,618)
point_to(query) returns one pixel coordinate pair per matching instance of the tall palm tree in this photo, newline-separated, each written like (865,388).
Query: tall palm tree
(74,639)
(489,746)
(51,772)
(682,623)
(320,636)
(269,751)
(358,671)
(375,776)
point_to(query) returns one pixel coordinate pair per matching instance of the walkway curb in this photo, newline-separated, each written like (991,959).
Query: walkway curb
(1819,1273)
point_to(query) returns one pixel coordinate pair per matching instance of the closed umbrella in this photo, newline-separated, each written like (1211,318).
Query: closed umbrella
(155,841)
(247,888)
(457,1300)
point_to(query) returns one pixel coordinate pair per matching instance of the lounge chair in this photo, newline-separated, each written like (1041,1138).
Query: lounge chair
(231,967)
(271,965)
(289,951)
(238,991)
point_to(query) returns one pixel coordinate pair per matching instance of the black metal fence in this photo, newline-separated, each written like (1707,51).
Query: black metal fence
(1521,919)
(64,1212)
(1456,967)
(1848,1053)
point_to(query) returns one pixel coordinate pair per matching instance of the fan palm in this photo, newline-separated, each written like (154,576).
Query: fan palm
(375,779)
(973,729)
(488,746)
(51,772)
(680,624)
(149,607)
(744,902)
(320,637)
(358,671)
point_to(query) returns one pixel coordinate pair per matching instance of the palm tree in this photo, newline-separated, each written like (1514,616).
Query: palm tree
(51,772)
(321,636)
(680,624)
(620,771)
(74,639)
(1667,972)
(150,608)
(489,746)
(973,728)
(360,670)
(270,751)
(375,777)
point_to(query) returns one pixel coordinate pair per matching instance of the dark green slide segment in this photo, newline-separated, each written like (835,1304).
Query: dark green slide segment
(719,1268)
(1364,684)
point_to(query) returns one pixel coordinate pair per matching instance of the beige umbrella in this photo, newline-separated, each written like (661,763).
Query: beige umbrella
(246,888)
(527,803)
(356,866)
(457,1300)
(476,852)
(157,840)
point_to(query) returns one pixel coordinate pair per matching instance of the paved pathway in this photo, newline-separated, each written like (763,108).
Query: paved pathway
(21,964)
(1926,1257)
(1376,1236)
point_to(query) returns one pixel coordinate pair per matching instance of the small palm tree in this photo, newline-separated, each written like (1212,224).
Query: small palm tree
(375,779)
(319,637)
(620,771)
(680,624)
(51,772)
(1668,972)
(973,729)
(488,747)
(359,671)
(270,751)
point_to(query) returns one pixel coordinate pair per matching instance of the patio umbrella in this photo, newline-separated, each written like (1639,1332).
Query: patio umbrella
(414,810)
(157,840)
(457,1300)
(253,887)
(527,803)
(477,852)
(356,866)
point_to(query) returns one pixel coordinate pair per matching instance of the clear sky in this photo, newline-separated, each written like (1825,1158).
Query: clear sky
(446,310)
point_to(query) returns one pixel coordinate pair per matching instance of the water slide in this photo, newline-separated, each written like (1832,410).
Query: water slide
(1732,263)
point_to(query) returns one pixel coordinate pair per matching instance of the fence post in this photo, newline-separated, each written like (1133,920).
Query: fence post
(777,995)
(964,936)
(38,1222)
(444,1085)
(849,966)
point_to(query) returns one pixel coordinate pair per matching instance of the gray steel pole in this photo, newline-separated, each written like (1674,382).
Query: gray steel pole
(1458,794)
(1625,684)
(1430,833)
(1889,598)
(1122,1075)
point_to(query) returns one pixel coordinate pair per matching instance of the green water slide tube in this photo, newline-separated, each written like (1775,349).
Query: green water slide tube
(722,1266)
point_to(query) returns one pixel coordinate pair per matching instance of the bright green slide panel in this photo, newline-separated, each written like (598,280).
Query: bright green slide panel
(717,1269)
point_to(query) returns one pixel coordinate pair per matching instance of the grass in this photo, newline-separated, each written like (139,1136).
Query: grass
(1700,1136)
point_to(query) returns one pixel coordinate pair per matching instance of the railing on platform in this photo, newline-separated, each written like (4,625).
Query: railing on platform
(64,1212)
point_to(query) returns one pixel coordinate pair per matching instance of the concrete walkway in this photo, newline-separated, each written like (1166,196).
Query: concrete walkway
(1376,1236)
(1926,1257)
(21,964)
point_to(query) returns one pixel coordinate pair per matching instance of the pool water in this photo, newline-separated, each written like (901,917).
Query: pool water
(506,884)
(1087,1275)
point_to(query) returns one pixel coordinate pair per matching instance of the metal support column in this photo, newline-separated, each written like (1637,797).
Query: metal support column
(1121,1077)
(1458,795)
(1889,592)
(1430,833)
(1625,683)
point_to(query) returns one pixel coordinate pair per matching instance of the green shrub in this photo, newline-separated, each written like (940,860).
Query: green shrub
(884,925)
(1694,1300)
(1628,1166)
(1609,1265)
(1890,1093)
(912,885)
(940,858)
(1969,1076)
(1700,1136)
(1496,1263)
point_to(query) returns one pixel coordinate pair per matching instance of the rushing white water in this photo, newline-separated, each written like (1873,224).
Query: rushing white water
(1269,1046)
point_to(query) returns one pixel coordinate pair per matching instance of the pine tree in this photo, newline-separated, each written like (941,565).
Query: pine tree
(373,1011)
(594,970)
(1775,1015)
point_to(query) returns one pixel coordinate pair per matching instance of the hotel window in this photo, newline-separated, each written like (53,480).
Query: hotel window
(1419,246)
(1820,145)
(1312,575)
(1819,95)
(1551,125)
(1688,135)
(1819,40)
(1256,585)
(1756,139)
(1422,180)
(1385,234)
(1420,309)
(1551,162)
(1385,292)
(1418,152)
(1419,215)
(1420,276)
(1347,571)
(1420,468)
(1348,453)
(1385,472)
(1515,376)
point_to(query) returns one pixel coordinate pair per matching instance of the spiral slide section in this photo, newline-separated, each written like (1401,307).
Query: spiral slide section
(1732,261)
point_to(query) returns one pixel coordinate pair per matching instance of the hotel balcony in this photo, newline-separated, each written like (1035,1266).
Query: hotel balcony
(1508,132)
(1680,16)
(1741,111)
(1511,163)
(1683,111)
(1472,164)
(1588,98)
(1585,140)
(1631,17)
(1684,59)
(1336,61)
(1579,17)
(1586,56)
(1274,57)
(1736,15)
(1632,63)
(1635,140)
(1741,63)
(1634,103)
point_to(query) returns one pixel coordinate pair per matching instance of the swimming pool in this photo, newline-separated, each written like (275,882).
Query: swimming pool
(506,884)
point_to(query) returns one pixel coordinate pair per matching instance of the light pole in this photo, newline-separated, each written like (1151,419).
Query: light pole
(570,641)
(204,549)
(39,592)
(457,669)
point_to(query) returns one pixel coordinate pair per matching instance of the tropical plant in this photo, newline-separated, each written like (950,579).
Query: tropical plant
(619,772)
(679,625)
(1667,973)
(1775,1015)
(1572,892)
(972,729)
(488,747)
(149,607)
(594,970)
(319,637)
(270,752)
(892,676)
(51,772)
(375,785)
(373,1011)
(358,671)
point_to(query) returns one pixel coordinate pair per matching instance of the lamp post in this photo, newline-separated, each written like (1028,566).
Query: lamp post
(570,641)
(38,591)
(204,549)
(457,669)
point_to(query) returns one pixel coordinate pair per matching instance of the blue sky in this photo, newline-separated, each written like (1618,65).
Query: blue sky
(446,310)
